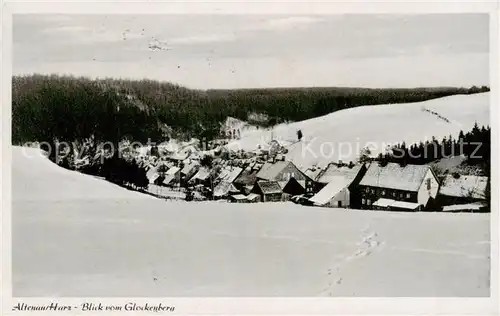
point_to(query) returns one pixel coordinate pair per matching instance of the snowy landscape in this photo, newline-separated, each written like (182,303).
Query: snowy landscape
(92,238)
(342,138)
(257,156)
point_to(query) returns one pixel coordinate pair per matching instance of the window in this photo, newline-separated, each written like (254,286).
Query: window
(408,195)
(394,194)
(369,202)
(367,190)
(428,184)
(363,201)
(383,192)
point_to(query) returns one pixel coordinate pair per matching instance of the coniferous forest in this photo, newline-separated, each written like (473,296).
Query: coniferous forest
(474,145)
(45,108)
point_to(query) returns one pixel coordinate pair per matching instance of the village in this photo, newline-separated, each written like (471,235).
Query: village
(265,175)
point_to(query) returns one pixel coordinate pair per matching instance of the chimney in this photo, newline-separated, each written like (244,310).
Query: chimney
(340,162)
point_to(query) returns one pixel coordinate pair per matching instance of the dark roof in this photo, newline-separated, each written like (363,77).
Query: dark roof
(269,187)
(394,176)
(248,176)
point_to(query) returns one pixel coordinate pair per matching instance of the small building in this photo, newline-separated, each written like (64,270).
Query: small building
(189,170)
(269,191)
(238,198)
(202,177)
(462,189)
(253,198)
(172,177)
(229,174)
(224,189)
(280,171)
(339,184)
(406,183)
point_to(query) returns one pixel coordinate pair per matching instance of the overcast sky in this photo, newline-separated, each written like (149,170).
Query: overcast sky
(224,51)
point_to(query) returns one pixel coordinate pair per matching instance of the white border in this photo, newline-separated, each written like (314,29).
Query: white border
(282,306)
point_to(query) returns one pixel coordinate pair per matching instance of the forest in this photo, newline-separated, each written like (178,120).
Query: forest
(50,107)
(475,145)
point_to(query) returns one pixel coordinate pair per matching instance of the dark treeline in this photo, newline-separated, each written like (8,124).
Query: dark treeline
(45,108)
(138,109)
(475,145)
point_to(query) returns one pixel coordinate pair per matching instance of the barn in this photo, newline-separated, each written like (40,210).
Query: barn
(269,191)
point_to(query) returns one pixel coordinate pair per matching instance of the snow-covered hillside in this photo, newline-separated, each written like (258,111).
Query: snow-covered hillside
(74,235)
(341,135)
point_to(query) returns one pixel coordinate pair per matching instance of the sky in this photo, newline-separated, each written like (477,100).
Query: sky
(247,51)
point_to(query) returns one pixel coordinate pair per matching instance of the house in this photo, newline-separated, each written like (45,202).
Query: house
(414,184)
(202,177)
(253,198)
(281,171)
(238,198)
(189,170)
(224,189)
(462,189)
(172,176)
(339,186)
(229,174)
(269,191)
(246,180)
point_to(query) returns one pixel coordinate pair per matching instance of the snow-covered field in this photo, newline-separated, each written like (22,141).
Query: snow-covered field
(342,134)
(74,235)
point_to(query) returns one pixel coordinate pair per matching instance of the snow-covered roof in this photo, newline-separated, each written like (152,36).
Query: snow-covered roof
(229,173)
(465,186)
(330,190)
(172,171)
(313,173)
(224,188)
(152,173)
(252,196)
(169,179)
(189,167)
(405,205)
(383,202)
(333,171)
(394,176)
(239,197)
(202,174)
(269,171)
(153,178)
(463,207)
(269,187)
